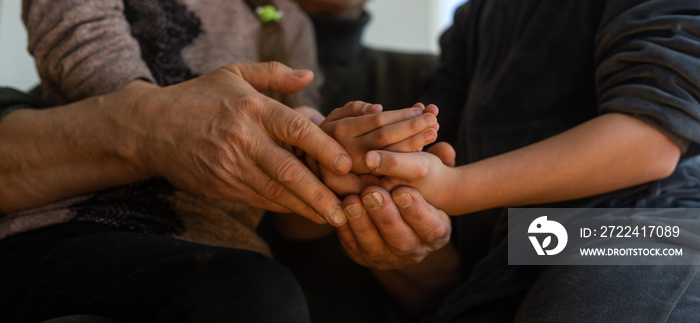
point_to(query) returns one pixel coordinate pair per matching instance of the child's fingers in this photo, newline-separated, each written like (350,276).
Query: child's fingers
(358,126)
(400,131)
(353,109)
(445,152)
(433,109)
(415,142)
(406,166)
(341,184)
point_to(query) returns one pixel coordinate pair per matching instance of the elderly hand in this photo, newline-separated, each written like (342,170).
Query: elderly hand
(390,231)
(405,243)
(218,136)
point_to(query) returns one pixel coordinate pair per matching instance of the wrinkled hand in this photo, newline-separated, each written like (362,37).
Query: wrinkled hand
(390,231)
(218,136)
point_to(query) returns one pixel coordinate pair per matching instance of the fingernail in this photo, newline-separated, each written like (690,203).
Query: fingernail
(403,200)
(372,108)
(373,201)
(342,163)
(300,73)
(373,159)
(336,215)
(429,119)
(417,112)
(354,211)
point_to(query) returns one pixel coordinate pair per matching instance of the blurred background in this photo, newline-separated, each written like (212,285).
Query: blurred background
(407,25)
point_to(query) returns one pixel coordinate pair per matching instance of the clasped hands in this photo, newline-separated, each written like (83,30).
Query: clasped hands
(386,227)
(219,137)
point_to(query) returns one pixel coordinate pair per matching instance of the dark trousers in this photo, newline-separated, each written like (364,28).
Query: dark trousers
(88,269)
(497,292)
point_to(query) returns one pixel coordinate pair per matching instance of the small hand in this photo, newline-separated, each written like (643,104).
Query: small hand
(430,172)
(360,127)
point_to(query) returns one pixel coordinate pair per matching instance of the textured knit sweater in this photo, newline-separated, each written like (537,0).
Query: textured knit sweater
(84,48)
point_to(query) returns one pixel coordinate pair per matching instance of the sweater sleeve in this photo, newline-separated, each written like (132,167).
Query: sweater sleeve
(648,65)
(302,45)
(82,48)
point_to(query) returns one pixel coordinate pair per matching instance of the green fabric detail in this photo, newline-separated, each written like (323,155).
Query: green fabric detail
(268,13)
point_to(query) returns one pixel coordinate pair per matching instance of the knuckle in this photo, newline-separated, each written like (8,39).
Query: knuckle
(296,128)
(351,246)
(250,100)
(417,124)
(356,107)
(318,197)
(274,65)
(272,190)
(289,171)
(436,234)
(378,120)
(385,221)
(339,131)
(404,248)
(361,230)
(423,168)
(377,253)
(382,137)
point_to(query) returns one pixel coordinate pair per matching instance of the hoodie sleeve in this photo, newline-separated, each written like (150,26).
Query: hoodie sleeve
(648,65)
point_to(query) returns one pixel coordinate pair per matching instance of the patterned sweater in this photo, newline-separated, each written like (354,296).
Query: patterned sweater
(84,48)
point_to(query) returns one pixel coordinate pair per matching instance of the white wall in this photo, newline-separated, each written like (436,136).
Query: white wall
(16,65)
(410,25)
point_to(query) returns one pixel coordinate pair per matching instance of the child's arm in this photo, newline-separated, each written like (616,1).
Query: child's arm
(610,152)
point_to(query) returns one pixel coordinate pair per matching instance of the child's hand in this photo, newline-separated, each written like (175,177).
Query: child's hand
(340,120)
(361,127)
(431,173)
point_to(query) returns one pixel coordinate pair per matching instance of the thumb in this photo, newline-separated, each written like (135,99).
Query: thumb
(272,76)
(400,165)
(445,152)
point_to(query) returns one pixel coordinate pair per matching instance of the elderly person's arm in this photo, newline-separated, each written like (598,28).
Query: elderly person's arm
(215,135)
